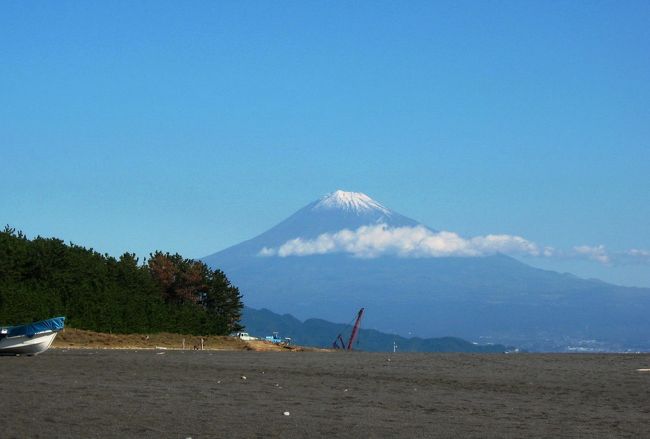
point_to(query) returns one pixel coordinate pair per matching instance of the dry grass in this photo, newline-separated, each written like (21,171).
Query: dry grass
(71,338)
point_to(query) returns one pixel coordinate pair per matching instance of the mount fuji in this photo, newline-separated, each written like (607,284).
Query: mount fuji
(346,251)
(334,212)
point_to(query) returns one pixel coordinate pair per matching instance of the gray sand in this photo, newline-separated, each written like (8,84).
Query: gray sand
(200,394)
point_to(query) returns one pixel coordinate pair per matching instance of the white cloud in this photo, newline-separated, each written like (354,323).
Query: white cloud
(266,252)
(595,253)
(636,253)
(633,256)
(549,252)
(377,240)
(419,242)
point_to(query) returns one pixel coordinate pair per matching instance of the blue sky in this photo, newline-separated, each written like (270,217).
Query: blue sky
(191,126)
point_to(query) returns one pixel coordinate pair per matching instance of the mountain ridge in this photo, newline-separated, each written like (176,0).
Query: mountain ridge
(494,297)
(321,333)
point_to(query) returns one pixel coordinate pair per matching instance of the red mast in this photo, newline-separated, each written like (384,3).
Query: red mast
(355,330)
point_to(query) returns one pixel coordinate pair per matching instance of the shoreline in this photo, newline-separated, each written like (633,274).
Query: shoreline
(72,338)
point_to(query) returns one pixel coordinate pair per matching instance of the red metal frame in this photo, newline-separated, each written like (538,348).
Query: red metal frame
(339,343)
(355,330)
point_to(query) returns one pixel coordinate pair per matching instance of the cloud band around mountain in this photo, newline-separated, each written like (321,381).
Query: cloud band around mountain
(379,240)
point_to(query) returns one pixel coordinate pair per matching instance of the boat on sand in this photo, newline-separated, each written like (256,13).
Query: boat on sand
(31,338)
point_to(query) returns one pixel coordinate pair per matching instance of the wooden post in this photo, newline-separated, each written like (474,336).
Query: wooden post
(183,344)
(201,343)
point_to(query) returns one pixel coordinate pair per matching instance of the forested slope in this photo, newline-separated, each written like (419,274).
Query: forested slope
(44,277)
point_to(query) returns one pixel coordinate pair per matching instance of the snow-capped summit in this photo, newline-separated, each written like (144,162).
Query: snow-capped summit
(336,211)
(350,201)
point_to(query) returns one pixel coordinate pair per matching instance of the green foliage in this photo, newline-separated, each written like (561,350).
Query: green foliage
(44,277)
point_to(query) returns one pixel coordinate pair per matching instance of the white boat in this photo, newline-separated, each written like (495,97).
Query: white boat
(29,339)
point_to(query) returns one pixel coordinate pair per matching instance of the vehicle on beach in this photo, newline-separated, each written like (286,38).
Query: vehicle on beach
(31,338)
(244,336)
(276,339)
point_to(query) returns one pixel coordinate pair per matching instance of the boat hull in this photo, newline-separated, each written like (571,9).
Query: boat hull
(24,345)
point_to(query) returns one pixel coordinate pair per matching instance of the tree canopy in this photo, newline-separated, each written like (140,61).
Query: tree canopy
(44,277)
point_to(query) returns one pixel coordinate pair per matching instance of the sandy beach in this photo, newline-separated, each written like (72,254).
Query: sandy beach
(74,393)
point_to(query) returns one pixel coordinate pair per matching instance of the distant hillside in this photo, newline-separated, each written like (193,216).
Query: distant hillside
(321,333)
